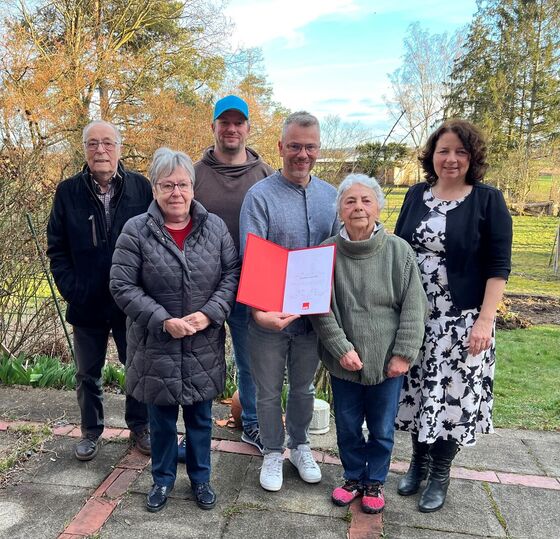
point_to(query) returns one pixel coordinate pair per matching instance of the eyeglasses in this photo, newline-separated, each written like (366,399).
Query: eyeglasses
(169,187)
(92,145)
(294,147)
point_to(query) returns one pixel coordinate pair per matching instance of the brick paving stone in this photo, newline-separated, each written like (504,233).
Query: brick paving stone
(120,485)
(328,459)
(364,526)
(318,455)
(536,481)
(109,433)
(109,480)
(64,430)
(91,517)
(399,466)
(16,424)
(134,460)
(474,475)
(239,447)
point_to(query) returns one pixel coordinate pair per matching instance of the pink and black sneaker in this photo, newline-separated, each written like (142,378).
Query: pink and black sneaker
(373,500)
(343,495)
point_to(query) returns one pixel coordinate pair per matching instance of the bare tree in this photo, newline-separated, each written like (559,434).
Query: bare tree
(419,84)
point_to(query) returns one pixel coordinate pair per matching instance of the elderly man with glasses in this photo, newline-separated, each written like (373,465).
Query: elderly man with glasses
(87,216)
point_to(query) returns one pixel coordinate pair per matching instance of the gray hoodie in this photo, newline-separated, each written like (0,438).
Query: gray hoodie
(221,188)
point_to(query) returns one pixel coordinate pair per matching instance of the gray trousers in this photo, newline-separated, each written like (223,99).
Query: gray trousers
(271,352)
(90,349)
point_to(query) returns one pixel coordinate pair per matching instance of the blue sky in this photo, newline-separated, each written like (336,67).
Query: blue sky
(333,56)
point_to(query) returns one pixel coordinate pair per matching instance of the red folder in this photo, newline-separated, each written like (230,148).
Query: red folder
(263,276)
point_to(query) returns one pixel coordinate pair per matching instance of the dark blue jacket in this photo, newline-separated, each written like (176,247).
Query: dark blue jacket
(478,236)
(80,247)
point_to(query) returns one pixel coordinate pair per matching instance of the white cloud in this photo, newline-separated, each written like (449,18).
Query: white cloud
(260,21)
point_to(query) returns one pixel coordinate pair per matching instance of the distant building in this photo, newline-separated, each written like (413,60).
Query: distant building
(334,164)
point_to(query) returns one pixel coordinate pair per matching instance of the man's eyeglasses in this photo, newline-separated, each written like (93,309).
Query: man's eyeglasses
(169,187)
(294,147)
(92,145)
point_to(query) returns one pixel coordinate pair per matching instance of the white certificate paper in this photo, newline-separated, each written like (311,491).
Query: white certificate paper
(308,281)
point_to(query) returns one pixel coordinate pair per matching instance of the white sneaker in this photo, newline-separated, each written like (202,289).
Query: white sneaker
(303,460)
(271,472)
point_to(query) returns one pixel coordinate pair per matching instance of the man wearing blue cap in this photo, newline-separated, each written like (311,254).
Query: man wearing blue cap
(224,174)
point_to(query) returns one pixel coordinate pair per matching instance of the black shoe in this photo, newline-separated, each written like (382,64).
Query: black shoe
(87,448)
(157,498)
(442,453)
(418,469)
(182,450)
(252,436)
(204,495)
(141,440)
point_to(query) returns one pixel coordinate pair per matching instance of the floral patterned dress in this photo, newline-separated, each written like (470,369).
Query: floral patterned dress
(448,393)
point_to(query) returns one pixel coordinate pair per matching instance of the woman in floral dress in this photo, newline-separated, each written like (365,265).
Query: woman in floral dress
(461,232)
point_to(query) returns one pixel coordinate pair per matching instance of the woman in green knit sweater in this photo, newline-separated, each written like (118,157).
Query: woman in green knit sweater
(369,338)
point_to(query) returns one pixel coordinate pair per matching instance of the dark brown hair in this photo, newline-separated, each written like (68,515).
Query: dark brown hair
(473,141)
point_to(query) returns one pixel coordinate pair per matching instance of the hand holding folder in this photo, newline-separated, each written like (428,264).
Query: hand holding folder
(278,280)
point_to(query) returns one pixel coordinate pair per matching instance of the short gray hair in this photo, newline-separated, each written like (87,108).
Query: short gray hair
(364,180)
(165,161)
(301,118)
(87,128)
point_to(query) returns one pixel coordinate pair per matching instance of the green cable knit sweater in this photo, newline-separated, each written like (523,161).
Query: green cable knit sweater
(378,307)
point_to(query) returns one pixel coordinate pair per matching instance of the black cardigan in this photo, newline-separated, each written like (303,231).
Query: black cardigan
(478,236)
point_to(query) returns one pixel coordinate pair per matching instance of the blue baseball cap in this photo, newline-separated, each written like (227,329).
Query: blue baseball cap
(231,102)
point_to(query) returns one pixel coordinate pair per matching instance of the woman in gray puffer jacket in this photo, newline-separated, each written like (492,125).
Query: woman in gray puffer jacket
(175,272)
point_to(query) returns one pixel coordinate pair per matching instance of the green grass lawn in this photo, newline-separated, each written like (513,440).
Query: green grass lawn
(533,238)
(527,383)
(543,189)
(393,202)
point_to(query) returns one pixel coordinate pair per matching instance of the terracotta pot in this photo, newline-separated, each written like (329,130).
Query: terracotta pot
(236,409)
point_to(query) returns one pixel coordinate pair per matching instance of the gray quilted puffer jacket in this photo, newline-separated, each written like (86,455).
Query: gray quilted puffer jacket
(151,281)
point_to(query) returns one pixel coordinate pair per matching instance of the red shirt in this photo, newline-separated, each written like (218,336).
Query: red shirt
(180,235)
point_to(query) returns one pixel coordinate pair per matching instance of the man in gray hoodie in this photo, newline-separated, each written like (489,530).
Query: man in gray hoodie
(223,176)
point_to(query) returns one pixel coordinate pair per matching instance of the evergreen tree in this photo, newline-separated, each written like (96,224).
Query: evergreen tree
(508,79)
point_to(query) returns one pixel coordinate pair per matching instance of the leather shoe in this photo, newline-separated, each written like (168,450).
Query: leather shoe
(141,440)
(87,448)
(157,498)
(204,495)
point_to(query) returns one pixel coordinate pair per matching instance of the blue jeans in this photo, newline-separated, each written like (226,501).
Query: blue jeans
(163,436)
(365,461)
(238,323)
(271,352)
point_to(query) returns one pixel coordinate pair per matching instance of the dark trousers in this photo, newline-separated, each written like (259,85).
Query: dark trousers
(366,461)
(90,349)
(163,436)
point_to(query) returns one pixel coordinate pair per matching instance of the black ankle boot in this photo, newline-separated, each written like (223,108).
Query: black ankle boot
(442,453)
(418,469)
